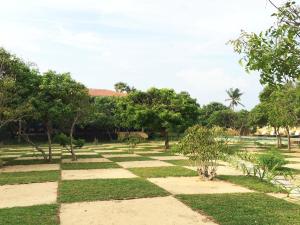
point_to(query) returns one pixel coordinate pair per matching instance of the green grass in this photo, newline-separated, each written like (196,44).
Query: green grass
(126,159)
(28,177)
(253,183)
(91,165)
(32,215)
(171,171)
(107,189)
(32,161)
(183,162)
(241,209)
(286,169)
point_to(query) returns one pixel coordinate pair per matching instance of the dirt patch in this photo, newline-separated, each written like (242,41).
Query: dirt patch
(27,168)
(28,194)
(37,157)
(293,166)
(150,163)
(194,185)
(87,160)
(221,170)
(293,159)
(100,151)
(119,155)
(175,157)
(96,174)
(144,211)
(82,153)
(8,156)
(284,197)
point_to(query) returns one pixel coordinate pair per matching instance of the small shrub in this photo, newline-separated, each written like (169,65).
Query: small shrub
(204,146)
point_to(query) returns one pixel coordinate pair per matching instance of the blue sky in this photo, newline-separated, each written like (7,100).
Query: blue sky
(176,44)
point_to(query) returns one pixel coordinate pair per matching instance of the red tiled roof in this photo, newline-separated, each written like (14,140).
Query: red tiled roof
(104,92)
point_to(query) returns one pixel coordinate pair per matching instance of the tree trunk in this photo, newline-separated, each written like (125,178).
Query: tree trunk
(74,158)
(49,131)
(278,137)
(166,135)
(19,131)
(26,138)
(289,137)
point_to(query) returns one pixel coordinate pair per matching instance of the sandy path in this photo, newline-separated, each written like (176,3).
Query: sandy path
(96,174)
(221,170)
(175,157)
(28,194)
(144,211)
(27,168)
(193,185)
(135,164)
(87,160)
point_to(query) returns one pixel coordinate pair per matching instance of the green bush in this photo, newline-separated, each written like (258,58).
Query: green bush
(64,141)
(204,146)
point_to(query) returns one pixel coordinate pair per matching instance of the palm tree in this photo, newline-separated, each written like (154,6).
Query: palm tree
(234,97)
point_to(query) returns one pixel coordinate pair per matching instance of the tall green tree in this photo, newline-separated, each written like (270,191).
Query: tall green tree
(234,95)
(274,53)
(283,109)
(162,110)
(206,111)
(123,87)
(16,86)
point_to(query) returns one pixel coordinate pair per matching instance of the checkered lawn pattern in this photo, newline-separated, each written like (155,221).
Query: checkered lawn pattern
(35,192)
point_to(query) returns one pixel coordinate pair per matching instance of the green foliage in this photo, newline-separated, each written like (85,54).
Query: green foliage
(65,141)
(207,110)
(123,87)
(204,146)
(223,118)
(234,97)
(271,160)
(274,53)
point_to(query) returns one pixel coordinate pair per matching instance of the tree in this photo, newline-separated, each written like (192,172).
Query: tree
(14,89)
(283,109)
(75,107)
(234,97)
(204,146)
(123,87)
(258,116)
(223,118)
(104,114)
(274,53)
(161,110)
(58,101)
(207,110)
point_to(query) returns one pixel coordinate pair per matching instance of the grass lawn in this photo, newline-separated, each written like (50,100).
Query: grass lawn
(28,177)
(183,162)
(91,165)
(172,171)
(241,209)
(32,215)
(286,169)
(253,183)
(107,189)
(32,161)
(125,159)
